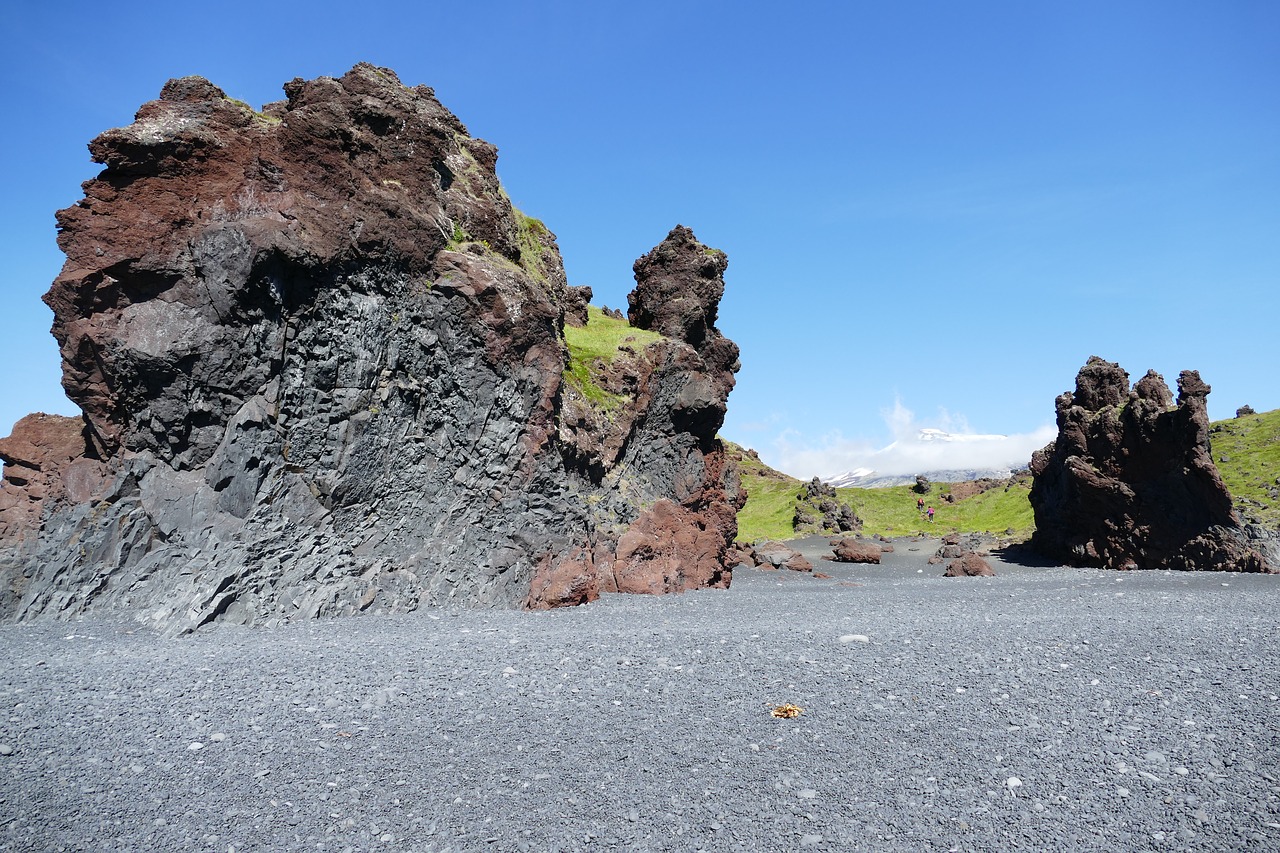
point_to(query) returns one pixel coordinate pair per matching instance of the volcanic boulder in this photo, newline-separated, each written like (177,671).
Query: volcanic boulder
(777,555)
(322,368)
(856,551)
(969,565)
(1130,482)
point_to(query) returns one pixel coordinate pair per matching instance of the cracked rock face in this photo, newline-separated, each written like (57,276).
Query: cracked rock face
(320,359)
(1129,483)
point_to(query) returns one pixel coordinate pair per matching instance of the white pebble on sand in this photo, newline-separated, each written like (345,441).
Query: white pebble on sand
(1013,782)
(195,746)
(855,638)
(217,737)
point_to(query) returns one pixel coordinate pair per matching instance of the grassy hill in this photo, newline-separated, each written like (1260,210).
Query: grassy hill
(1246,450)
(1247,453)
(892,511)
(772,500)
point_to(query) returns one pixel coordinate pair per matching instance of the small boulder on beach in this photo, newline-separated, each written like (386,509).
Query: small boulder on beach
(855,551)
(969,566)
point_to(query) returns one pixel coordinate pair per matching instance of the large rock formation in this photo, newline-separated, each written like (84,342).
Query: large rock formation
(322,367)
(1130,482)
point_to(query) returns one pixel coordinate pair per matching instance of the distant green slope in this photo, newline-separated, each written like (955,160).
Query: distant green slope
(771,498)
(892,511)
(1247,453)
(771,506)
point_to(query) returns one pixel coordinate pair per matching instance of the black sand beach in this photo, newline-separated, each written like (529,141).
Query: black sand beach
(1043,709)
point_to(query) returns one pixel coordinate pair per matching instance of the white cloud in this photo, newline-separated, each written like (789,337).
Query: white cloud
(947,443)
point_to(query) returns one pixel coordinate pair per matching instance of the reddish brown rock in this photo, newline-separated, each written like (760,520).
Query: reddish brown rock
(856,551)
(969,566)
(682,282)
(668,550)
(45,463)
(798,563)
(565,580)
(778,555)
(969,488)
(1130,481)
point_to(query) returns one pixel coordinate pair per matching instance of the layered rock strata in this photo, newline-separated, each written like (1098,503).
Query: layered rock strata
(322,367)
(1130,482)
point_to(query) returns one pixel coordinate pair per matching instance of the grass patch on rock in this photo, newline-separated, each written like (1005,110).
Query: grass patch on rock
(530,233)
(594,347)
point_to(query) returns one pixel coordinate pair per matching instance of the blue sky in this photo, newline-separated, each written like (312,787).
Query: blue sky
(934,211)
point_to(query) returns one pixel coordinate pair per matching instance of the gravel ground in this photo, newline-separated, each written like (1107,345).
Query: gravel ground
(1043,709)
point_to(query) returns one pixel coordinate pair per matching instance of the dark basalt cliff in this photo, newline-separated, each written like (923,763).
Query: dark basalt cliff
(322,367)
(1129,482)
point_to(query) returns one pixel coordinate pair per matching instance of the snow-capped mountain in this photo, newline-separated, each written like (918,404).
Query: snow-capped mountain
(872,480)
(929,451)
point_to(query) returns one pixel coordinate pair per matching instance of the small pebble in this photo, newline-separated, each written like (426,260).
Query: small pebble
(854,638)
(195,746)
(5,749)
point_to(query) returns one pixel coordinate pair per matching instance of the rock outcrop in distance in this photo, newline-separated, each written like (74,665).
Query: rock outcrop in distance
(1129,483)
(322,368)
